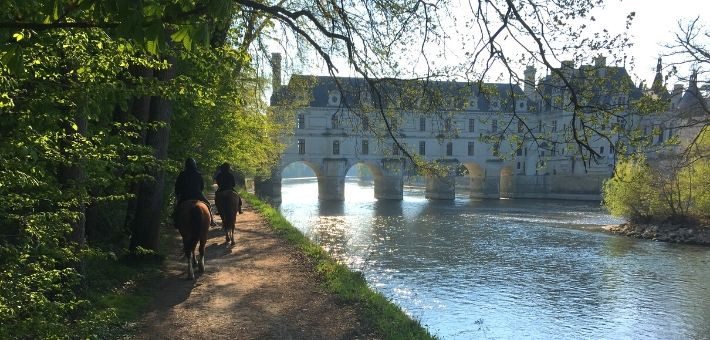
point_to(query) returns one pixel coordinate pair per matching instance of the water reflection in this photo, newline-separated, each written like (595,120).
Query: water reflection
(510,268)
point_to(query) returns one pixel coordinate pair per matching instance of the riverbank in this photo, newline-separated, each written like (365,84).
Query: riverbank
(667,232)
(273,284)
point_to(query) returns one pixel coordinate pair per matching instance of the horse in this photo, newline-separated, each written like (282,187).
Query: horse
(193,221)
(228,205)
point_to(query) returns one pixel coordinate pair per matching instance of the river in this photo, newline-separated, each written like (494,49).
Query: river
(509,269)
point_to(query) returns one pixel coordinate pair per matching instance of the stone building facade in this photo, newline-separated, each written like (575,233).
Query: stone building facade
(451,123)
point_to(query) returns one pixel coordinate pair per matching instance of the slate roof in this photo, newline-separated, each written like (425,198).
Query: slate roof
(403,93)
(597,84)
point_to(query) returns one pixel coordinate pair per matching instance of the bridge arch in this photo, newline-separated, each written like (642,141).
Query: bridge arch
(388,176)
(312,165)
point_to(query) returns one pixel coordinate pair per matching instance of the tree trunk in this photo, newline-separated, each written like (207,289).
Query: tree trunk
(146,223)
(71,177)
(140,110)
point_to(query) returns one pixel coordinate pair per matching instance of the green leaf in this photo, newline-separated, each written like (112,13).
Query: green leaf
(13,60)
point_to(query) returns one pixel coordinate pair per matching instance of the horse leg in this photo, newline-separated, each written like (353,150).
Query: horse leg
(231,234)
(201,262)
(190,270)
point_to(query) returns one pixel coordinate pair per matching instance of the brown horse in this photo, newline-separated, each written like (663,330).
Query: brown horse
(228,204)
(193,221)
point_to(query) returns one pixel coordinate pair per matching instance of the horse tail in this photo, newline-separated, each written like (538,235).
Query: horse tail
(195,226)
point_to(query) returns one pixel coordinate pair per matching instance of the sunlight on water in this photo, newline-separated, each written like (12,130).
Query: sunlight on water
(503,269)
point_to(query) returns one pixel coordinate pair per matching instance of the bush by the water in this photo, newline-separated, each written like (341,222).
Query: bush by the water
(672,186)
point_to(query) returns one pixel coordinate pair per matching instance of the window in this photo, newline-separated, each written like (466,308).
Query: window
(539,126)
(495,104)
(660,135)
(447,124)
(422,124)
(494,125)
(496,149)
(471,149)
(611,148)
(518,165)
(334,98)
(335,122)
(471,125)
(301,146)
(395,149)
(449,149)
(526,151)
(554,126)
(601,150)
(301,123)
(520,126)
(336,147)
(422,148)
(365,147)
(365,122)
(519,152)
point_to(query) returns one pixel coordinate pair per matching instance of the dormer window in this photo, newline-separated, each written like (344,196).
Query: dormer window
(334,98)
(471,103)
(495,104)
(521,105)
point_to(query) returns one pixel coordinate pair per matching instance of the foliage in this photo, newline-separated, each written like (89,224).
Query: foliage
(219,115)
(629,193)
(73,151)
(671,185)
(385,317)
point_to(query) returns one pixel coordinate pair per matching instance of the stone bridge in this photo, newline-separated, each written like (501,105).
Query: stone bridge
(330,151)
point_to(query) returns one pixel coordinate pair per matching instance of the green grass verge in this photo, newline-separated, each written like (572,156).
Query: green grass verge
(385,317)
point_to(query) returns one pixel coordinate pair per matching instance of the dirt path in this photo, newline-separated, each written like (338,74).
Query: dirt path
(261,288)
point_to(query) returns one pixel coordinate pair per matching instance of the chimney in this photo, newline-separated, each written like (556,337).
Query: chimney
(275,72)
(567,68)
(529,82)
(599,61)
(677,94)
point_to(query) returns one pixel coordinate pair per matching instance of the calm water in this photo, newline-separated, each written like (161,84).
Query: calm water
(504,269)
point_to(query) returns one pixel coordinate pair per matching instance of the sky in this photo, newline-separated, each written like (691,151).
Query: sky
(653,26)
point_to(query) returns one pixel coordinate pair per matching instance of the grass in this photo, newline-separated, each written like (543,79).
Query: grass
(118,288)
(381,314)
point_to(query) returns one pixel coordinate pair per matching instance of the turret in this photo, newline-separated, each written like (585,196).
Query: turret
(691,102)
(658,87)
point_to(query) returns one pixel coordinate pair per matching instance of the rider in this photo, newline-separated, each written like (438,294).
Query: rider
(225,178)
(189,186)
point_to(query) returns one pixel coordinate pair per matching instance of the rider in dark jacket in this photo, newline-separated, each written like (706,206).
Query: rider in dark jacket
(225,178)
(189,186)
